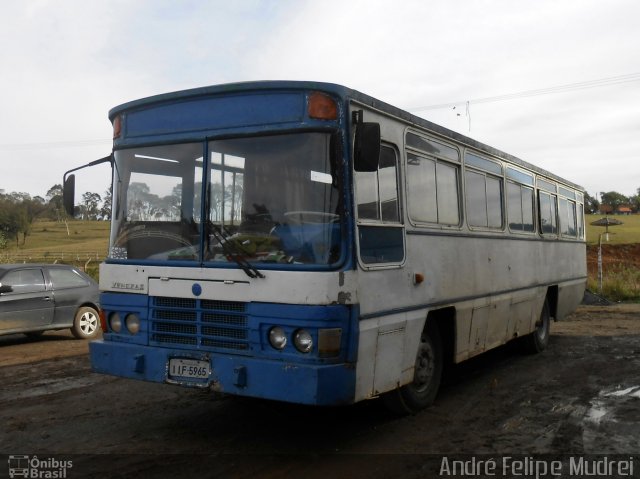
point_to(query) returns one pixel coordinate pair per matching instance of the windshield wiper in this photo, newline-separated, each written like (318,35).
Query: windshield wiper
(234,251)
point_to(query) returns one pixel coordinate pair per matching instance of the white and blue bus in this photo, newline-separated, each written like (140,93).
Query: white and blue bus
(305,242)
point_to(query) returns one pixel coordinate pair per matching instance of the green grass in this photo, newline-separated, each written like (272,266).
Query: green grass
(626,233)
(619,283)
(621,277)
(84,245)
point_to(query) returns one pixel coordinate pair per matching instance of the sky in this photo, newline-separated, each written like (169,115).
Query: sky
(66,63)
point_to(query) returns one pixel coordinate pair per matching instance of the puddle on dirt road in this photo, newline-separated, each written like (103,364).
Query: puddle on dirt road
(612,421)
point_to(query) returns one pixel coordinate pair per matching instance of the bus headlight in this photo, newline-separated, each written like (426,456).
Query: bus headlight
(115,323)
(277,338)
(132,322)
(303,341)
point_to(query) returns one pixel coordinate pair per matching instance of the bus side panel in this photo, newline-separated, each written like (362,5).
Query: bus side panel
(569,297)
(386,352)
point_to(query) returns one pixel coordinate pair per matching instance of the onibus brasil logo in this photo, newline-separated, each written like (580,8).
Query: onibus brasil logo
(32,467)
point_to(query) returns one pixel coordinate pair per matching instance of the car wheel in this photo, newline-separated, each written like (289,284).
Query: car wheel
(86,324)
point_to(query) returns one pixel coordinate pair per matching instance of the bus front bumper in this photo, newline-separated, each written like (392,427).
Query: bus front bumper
(302,383)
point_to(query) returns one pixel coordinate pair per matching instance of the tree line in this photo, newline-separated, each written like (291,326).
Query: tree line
(612,202)
(18,211)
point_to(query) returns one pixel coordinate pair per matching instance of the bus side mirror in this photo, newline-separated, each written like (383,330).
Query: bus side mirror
(366,149)
(69,194)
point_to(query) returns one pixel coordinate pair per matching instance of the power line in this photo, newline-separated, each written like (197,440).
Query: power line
(541,91)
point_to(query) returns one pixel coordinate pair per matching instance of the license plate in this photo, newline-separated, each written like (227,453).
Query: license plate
(188,368)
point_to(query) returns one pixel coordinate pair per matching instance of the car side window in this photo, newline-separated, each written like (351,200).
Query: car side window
(66,278)
(25,281)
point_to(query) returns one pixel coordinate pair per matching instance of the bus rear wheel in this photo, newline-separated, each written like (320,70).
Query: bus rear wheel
(422,391)
(538,341)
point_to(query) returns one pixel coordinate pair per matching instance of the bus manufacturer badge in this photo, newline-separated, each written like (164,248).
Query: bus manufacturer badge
(196,289)
(132,286)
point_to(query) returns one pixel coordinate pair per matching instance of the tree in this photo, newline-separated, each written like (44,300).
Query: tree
(55,207)
(635,202)
(17,213)
(105,211)
(613,199)
(12,219)
(591,205)
(89,206)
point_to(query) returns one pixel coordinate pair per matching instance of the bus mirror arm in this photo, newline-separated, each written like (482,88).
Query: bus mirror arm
(366,149)
(69,183)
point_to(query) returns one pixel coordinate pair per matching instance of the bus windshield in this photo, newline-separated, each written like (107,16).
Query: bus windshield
(270,199)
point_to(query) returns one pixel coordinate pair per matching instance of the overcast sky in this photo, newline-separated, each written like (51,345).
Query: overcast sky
(65,63)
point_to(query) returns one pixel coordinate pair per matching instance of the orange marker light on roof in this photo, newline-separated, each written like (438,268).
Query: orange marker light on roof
(117,126)
(322,107)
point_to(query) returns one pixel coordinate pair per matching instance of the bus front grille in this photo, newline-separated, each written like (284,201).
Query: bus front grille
(198,324)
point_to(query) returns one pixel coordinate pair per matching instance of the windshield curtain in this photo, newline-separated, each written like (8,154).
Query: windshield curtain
(272,199)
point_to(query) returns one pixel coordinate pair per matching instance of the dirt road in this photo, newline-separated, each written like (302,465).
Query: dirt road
(581,396)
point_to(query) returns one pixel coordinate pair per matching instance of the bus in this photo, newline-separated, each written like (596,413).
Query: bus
(308,243)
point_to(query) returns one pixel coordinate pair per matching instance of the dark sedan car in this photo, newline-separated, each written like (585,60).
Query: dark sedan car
(39,297)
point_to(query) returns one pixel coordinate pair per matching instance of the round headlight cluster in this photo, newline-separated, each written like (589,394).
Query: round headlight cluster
(277,338)
(115,323)
(131,322)
(302,339)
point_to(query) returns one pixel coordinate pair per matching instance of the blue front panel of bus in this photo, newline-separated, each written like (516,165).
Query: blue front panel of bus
(232,339)
(216,113)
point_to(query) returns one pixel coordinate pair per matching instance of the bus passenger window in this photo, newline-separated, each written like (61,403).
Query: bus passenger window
(421,189)
(484,200)
(520,207)
(548,213)
(580,221)
(447,188)
(567,217)
(432,188)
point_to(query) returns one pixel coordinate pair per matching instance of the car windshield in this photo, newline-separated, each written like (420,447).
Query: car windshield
(272,199)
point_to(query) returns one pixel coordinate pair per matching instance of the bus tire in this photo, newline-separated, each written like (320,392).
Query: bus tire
(538,341)
(422,391)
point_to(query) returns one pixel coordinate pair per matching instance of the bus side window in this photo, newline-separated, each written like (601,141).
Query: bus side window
(377,191)
(580,221)
(381,238)
(520,207)
(567,217)
(484,200)
(548,207)
(432,190)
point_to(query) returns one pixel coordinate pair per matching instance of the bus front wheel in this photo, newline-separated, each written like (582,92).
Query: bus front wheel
(422,391)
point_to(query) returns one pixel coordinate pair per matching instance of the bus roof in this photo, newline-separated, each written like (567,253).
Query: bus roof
(342,92)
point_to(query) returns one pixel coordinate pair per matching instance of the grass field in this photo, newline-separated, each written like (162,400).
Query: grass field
(81,237)
(84,244)
(626,233)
